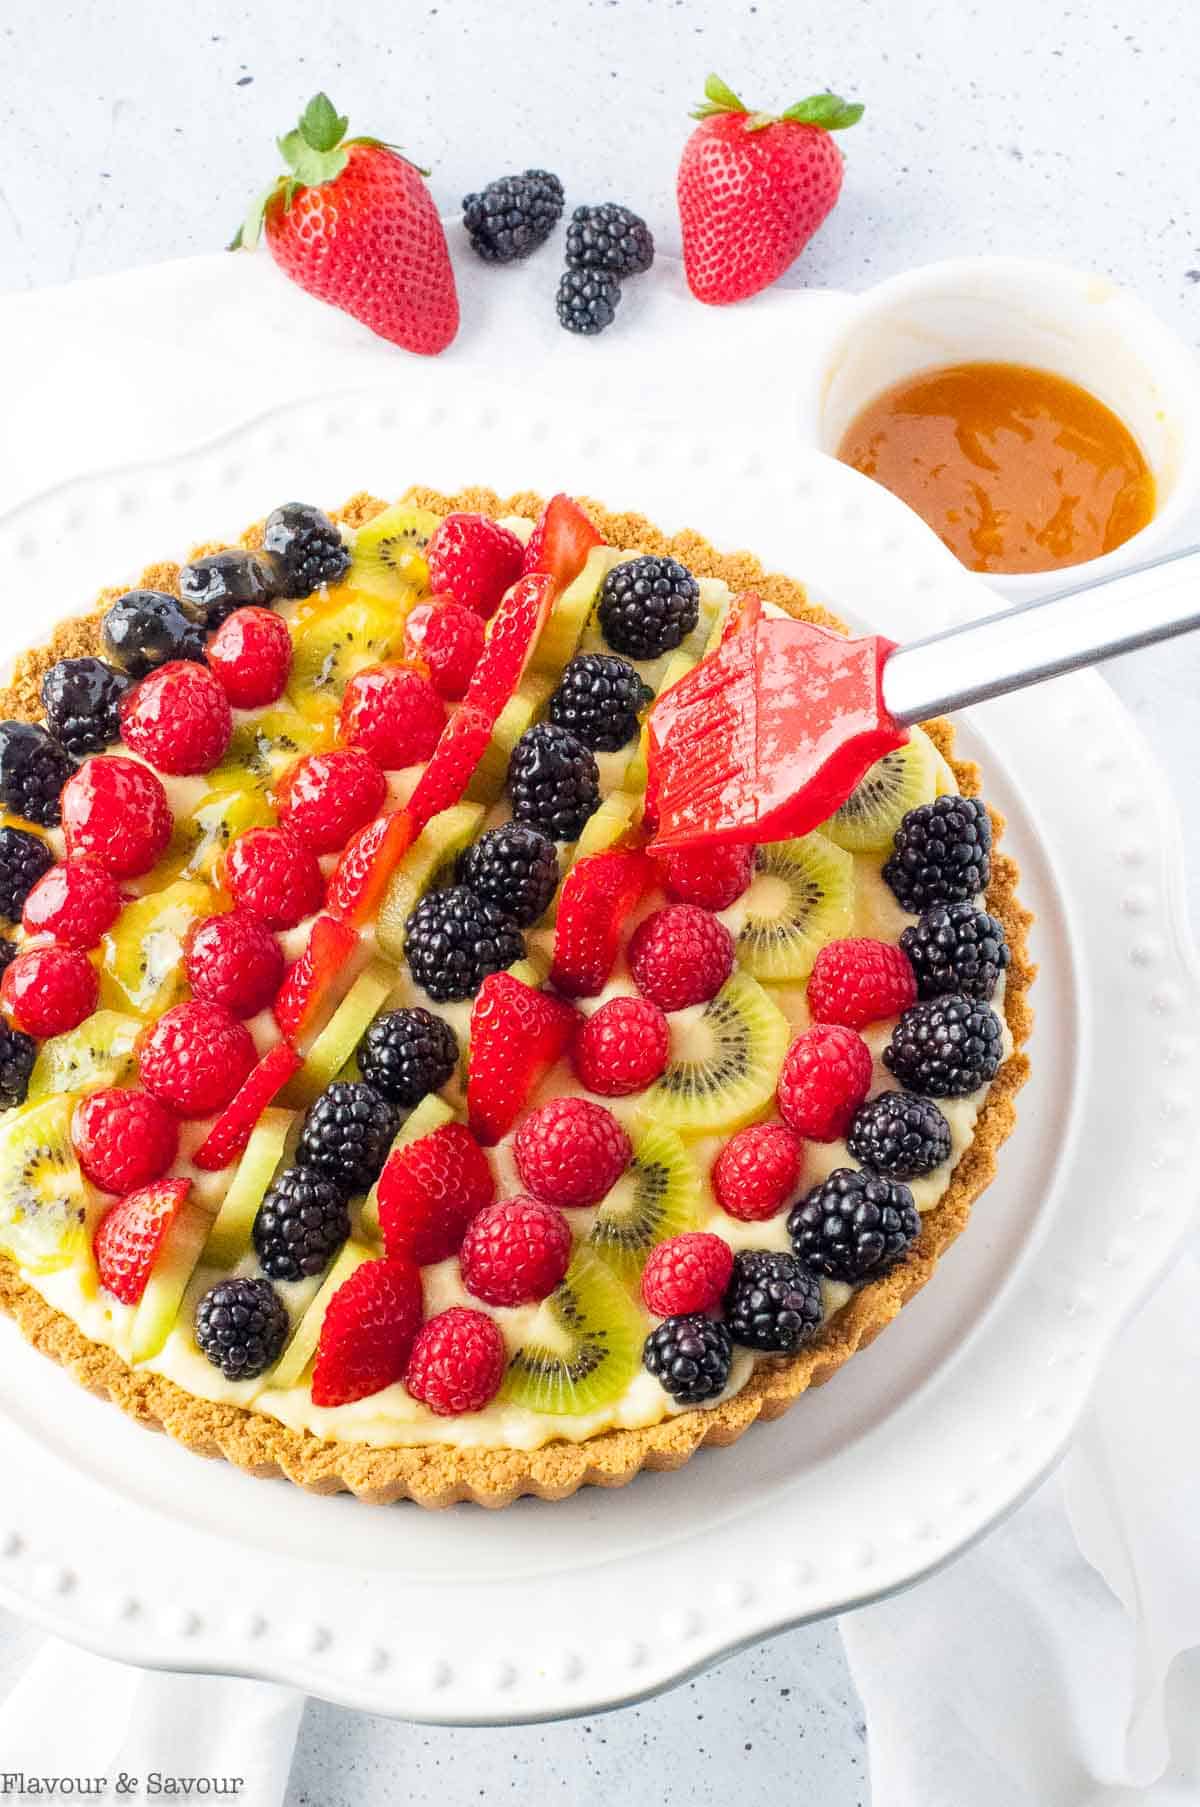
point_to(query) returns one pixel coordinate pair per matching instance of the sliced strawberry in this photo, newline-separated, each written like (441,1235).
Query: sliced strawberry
(368,1331)
(309,980)
(228,1137)
(429,1192)
(517,1034)
(597,897)
(130,1234)
(561,541)
(463,744)
(361,875)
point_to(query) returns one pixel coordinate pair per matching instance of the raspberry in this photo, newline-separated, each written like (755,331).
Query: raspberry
(690,1357)
(447,637)
(859,982)
(687,1273)
(394,713)
(598,895)
(713,877)
(623,1047)
(327,797)
(571,1152)
(131,1233)
(274,876)
(234,960)
(430,1190)
(824,1079)
(76,903)
(251,655)
(117,811)
(124,1139)
(757,1172)
(368,1332)
(49,990)
(475,559)
(515,1252)
(457,1362)
(195,1057)
(680,956)
(178,718)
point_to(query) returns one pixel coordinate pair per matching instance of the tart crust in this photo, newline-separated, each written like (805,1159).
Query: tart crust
(440,1474)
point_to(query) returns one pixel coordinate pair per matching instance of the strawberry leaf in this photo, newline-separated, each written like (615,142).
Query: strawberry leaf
(321,125)
(719,98)
(312,168)
(250,230)
(829,111)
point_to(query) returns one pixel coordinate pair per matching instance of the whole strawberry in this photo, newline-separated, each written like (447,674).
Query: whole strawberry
(354,224)
(753,188)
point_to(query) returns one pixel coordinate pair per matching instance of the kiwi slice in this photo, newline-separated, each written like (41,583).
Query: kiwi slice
(438,843)
(341,1035)
(718,596)
(870,816)
(675,666)
(725,1062)
(491,774)
(657,1196)
(387,558)
(801,896)
(142,963)
(307,1334)
(331,640)
(583,1347)
(158,1308)
(199,839)
(263,747)
(609,824)
(43,1196)
(98,1053)
(229,1237)
(432,1113)
(571,612)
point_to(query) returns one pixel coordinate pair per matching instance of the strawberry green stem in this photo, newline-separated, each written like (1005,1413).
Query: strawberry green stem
(829,111)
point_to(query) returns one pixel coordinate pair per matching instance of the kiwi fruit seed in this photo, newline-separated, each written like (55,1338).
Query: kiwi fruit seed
(724,1064)
(869,818)
(43,1195)
(800,897)
(387,558)
(584,1346)
(657,1196)
(98,1053)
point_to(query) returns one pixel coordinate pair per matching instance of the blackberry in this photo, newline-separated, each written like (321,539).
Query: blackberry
(900,1135)
(955,947)
(773,1301)
(145,628)
(609,237)
(554,781)
(241,1326)
(82,700)
(648,606)
(406,1054)
(514,867)
(220,582)
(690,1357)
(513,215)
(941,853)
(301,1224)
(8,953)
(306,549)
(454,939)
(587,301)
(346,1135)
(17,1055)
(23,859)
(598,699)
(946,1047)
(33,770)
(854,1225)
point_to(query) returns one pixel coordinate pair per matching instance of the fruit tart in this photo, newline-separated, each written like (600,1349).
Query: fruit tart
(378,1109)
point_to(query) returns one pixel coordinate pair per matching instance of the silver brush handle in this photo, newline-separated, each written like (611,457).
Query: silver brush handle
(1044,638)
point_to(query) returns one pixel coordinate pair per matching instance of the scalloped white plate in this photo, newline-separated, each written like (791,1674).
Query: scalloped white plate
(130,1545)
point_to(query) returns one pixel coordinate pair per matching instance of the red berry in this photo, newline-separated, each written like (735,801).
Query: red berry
(251,655)
(368,1331)
(49,990)
(517,1033)
(77,903)
(597,896)
(310,980)
(361,875)
(515,1252)
(430,1190)
(228,1137)
(757,1172)
(234,960)
(623,1047)
(117,811)
(124,1139)
(475,560)
(713,877)
(195,1057)
(680,956)
(178,718)
(826,1075)
(859,981)
(131,1233)
(394,712)
(571,1152)
(327,797)
(448,638)
(274,876)
(457,1362)
(687,1273)
(560,542)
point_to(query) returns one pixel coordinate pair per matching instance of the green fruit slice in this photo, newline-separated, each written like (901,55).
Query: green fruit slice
(724,1064)
(201,838)
(900,781)
(229,1237)
(439,843)
(142,960)
(334,639)
(491,774)
(658,1196)
(263,748)
(43,1195)
(341,1035)
(307,1334)
(801,896)
(676,666)
(422,1120)
(387,556)
(658,674)
(610,823)
(159,1306)
(98,1053)
(570,613)
(584,1346)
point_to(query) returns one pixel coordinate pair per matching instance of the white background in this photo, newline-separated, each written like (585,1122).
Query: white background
(133,133)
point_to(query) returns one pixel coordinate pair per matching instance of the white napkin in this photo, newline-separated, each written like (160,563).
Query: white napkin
(1016,1676)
